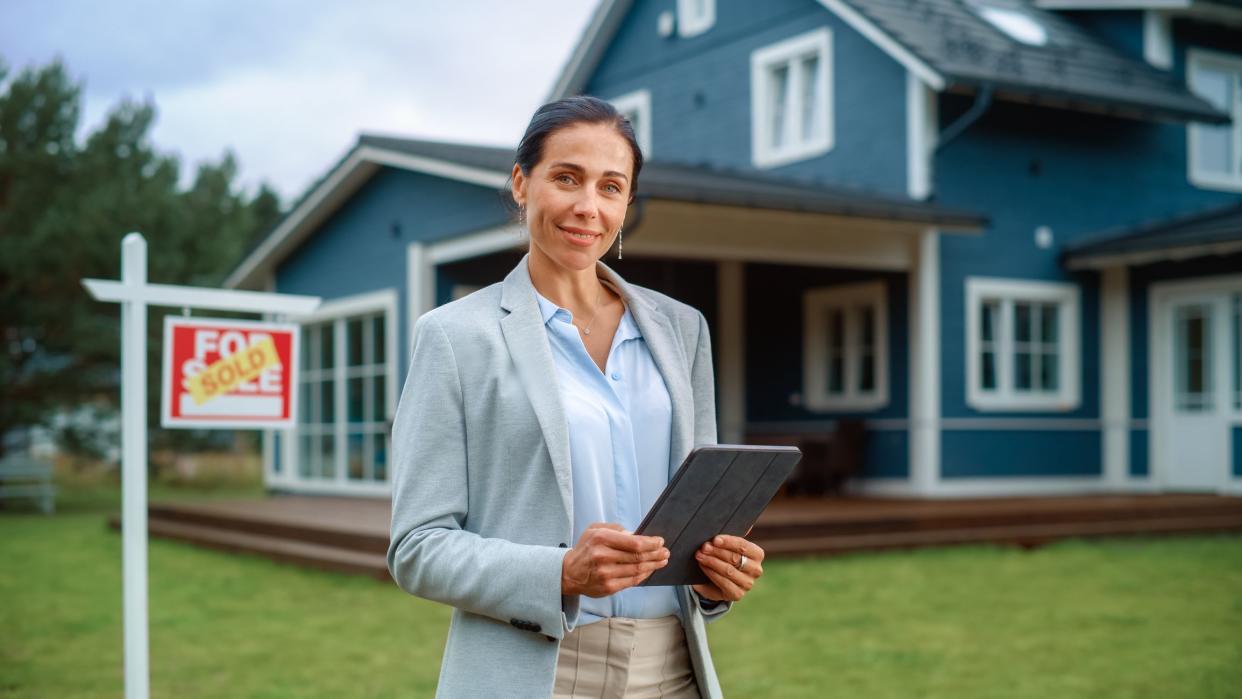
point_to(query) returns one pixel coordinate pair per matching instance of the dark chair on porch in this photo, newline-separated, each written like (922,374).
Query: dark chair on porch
(829,459)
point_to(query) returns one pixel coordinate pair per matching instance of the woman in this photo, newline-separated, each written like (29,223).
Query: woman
(549,410)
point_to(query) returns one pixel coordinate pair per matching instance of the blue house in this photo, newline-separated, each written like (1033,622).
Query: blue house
(1005,235)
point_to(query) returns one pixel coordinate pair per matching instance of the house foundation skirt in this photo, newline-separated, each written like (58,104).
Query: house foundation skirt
(622,658)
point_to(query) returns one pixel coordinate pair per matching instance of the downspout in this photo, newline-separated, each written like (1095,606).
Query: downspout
(983,100)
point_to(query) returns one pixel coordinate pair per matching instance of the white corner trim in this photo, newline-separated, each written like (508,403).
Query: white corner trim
(420,285)
(845,298)
(788,51)
(507,236)
(1007,291)
(690,24)
(922,129)
(1115,372)
(1157,39)
(638,102)
(899,53)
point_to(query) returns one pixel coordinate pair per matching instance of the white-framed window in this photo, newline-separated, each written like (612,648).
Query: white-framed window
(791,99)
(695,16)
(348,385)
(636,106)
(1022,345)
(1215,152)
(845,347)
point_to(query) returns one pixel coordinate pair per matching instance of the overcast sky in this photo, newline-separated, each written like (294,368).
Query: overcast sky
(288,85)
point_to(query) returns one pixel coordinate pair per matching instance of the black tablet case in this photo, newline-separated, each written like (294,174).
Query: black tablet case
(719,489)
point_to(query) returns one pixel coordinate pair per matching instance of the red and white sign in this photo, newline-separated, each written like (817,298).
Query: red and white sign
(229,373)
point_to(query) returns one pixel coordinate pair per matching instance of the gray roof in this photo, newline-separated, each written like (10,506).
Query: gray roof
(702,184)
(1215,231)
(1073,69)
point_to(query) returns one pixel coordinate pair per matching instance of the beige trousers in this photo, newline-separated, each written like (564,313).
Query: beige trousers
(621,658)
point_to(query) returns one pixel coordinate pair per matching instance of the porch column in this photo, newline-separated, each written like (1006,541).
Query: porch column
(924,305)
(1115,374)
(731,349)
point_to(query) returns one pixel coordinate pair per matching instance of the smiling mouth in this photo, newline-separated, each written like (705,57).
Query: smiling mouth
(581,236)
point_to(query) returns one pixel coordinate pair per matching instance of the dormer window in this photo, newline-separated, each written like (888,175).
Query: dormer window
(695,17)
(1013,23)
(636,106)
(791,99)
(1215,158)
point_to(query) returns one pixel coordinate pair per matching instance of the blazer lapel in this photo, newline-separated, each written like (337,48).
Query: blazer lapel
(666,350)
(527,341)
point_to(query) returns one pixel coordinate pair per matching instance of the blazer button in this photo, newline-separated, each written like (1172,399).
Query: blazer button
(564,546)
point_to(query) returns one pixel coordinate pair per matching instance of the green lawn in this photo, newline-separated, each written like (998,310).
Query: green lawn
(1158,618)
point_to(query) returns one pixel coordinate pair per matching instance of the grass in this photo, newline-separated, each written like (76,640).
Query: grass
(1158,618)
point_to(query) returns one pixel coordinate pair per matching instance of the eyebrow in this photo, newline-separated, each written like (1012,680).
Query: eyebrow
(579,168)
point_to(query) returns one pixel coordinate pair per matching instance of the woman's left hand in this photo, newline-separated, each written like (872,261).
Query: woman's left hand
(732,563)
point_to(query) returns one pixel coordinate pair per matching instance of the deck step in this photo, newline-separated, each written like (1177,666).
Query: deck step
(1026,535)
(305,527)
(284,550)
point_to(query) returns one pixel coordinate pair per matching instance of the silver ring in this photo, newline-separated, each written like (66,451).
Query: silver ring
(741,565)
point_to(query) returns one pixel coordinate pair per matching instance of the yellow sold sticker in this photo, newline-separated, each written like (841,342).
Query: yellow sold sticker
(230,372)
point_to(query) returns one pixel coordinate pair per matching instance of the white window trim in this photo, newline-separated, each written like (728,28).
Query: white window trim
(1196,58)
(338,312)
(1068,297)
(815,303)
(761,60)
(691,24)
(638,101)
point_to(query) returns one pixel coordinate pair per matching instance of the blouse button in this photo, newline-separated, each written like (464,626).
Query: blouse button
(616,376)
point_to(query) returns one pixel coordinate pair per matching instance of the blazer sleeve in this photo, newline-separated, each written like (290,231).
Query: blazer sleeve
(703,381)
(430,555)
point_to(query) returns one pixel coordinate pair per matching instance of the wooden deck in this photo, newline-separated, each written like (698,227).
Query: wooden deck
(351,534)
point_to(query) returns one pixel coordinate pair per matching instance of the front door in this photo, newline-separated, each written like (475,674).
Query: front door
(1197,386)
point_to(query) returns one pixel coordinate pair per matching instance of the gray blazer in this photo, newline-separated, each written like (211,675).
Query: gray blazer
(482,489)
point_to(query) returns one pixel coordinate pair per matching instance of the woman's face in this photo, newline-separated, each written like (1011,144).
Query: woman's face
(576,196)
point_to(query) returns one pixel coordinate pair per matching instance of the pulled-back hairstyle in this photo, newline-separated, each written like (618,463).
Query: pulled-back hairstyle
(582,109)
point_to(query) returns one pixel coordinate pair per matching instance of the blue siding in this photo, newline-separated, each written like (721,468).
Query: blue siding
(700,91)
(887,454)
(1006,453)
(1140,457)
(362,247)
(1121,29)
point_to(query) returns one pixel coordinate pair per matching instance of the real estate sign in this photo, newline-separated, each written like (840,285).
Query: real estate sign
(229,373)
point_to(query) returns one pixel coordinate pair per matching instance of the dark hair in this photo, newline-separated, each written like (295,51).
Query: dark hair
(582,109)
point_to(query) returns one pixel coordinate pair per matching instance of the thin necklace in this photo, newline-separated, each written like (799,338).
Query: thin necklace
(598,296)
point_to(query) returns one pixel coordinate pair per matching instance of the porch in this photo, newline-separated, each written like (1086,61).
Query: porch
(350,534)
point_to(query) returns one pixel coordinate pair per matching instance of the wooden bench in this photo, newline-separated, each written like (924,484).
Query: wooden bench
(23,477)
(829,458)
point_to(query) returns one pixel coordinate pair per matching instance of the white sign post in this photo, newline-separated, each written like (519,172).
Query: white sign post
(135,294)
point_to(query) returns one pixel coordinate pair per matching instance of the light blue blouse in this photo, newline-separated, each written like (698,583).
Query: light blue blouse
(619,441)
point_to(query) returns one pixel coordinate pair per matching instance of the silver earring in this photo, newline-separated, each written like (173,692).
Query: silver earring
(620,240)
(521,215)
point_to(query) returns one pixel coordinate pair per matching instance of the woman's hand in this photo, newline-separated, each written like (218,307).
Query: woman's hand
(721,559)
(608,559)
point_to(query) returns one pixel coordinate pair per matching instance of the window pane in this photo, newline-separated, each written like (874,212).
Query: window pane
(381,457)
(355,459)
(354,400)
(810,102)
(353,337)
(327,402)
(327,467)
(308,446)
(377,332)
(1192,353)
(1237,352)
(836,351)
(987,368)
(1048,372)
(310,336)
(1214,144)
(779,81)
(866,379)
(278,463)
(1022,322)
(1049,327)
(987,321)
(868,326)
(326,347)
(379,410)
(305,400)
(1022,370)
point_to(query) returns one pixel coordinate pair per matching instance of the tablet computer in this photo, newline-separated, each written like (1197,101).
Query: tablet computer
(719,489)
